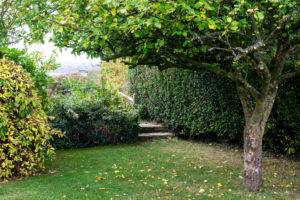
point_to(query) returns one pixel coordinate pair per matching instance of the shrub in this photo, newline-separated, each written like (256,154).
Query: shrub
(24,132)
(201,105)
(35,66)
(91,117)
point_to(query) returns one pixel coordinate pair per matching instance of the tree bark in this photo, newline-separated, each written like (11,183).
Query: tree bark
(253,133)
(252,171)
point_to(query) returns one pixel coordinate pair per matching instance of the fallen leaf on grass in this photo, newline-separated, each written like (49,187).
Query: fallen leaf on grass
(100,178)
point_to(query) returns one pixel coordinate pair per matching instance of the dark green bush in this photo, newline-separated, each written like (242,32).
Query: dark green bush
(283,130)
(202,105)
(91,117)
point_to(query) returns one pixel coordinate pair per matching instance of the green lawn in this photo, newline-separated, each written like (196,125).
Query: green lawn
(164,169)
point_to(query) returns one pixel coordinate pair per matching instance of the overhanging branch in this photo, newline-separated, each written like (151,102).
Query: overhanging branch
(121,54)
(232,76)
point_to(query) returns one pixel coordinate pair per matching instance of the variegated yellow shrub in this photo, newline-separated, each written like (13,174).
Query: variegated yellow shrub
(24,131)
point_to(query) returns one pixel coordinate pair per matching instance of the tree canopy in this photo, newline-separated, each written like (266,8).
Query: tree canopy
(10,21)
(241,35)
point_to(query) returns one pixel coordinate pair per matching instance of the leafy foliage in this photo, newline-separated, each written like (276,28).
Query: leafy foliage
(24,132)
(91,115)
(283,130)
(148,31)
(35,66)
(9,32)
(200,105)
(115,75)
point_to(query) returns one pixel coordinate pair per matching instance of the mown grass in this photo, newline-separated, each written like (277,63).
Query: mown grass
(164,169)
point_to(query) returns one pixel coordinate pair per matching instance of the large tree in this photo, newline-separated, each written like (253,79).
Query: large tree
(11,21)
(247,42)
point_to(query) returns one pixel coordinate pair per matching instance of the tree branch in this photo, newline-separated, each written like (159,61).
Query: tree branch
(232,76)
(247,50)
(121,54)
(256,30)
(289,75)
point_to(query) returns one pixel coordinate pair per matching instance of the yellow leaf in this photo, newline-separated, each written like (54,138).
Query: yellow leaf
(229,19)
(212,25)
(113,12)
(104,18)
(99,178)
(61,30)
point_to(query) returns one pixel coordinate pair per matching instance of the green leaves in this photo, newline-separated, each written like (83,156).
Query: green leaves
(212,25)
(229,19)
(24,130)
(204,48)
(180,27)
(234,26)
(157,24)
(201,27)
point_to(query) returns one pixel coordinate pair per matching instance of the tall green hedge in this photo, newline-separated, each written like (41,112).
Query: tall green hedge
(202,105)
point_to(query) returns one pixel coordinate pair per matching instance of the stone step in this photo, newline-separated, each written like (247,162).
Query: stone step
(152,128)
(155,135)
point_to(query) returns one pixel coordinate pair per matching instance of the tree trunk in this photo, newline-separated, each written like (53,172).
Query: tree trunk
(256,119)
(252,172)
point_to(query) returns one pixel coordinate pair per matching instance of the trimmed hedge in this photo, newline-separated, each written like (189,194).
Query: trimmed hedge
(201,105)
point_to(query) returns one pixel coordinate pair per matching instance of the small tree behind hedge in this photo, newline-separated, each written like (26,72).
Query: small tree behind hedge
(115,74)
(24,133)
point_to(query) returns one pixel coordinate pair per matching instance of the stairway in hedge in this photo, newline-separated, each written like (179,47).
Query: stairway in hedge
(154,130)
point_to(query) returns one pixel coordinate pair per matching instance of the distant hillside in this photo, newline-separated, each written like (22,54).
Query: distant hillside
(75,67)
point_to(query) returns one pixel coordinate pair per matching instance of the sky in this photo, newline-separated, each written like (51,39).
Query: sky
(69,62)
